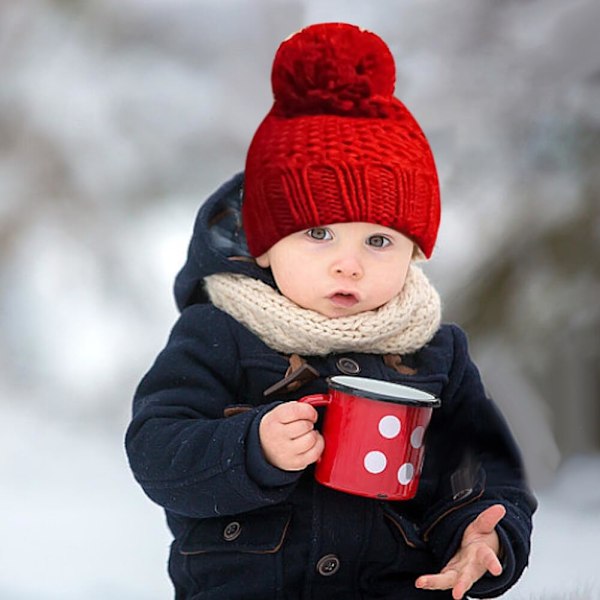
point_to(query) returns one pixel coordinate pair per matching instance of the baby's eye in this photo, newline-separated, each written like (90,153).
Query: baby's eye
(378,241)
(320,234)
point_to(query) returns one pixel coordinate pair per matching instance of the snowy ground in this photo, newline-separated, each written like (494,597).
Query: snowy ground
(75,525)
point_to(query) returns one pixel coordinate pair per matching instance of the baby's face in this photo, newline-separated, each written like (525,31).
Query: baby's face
(342,269)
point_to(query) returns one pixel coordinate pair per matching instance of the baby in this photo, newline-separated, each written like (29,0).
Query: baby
(300,269)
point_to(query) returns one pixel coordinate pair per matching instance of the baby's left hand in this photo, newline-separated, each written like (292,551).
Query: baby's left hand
(478,554)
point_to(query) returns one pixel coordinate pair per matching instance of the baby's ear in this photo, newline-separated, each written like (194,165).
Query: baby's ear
(418,255)
(263,260)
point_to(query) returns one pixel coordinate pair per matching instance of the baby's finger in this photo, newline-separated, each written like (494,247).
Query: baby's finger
(493,564)
(296,411)
(289,412)
(440,581)
(297,429)
(465,580)
(305,442)
(485,560)
(488,519)
(463,585)
(459,582)
(314,451)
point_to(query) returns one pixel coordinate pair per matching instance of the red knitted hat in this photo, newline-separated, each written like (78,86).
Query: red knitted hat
(337,146)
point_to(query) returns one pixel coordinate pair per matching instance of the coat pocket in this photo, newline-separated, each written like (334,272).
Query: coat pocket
(465,488)
(236,557)
(397,556)
(405,528)
(258,532)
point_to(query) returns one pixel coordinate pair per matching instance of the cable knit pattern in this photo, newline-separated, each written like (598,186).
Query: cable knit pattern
(403,325)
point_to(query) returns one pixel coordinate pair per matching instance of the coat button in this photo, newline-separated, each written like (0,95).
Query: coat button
(328,565)
(348,366)
(232,531)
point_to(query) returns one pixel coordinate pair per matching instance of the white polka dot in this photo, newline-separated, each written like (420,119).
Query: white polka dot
(389,427)
(416,438)
(405,473)
(375,461)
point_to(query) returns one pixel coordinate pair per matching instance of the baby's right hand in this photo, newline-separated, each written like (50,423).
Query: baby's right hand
(288,437)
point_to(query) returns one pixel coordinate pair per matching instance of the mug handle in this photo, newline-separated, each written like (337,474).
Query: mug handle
(316,399)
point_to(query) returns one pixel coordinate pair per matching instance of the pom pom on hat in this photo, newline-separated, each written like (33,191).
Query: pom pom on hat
(337,146)
(332,69)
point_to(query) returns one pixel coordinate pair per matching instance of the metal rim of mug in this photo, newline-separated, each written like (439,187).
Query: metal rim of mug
(359,386)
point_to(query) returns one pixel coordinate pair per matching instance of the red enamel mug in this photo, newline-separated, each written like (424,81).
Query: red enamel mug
(374,436)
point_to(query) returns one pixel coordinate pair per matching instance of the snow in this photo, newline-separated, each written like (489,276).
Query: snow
(564,557)
(75,525)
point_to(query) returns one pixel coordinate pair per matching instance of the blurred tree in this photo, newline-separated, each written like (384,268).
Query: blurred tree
(540,296)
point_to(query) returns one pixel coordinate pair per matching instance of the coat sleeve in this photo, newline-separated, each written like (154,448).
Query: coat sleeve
(477,447)
(186,456)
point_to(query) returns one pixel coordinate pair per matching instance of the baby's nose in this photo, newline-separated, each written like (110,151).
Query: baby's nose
(348,267)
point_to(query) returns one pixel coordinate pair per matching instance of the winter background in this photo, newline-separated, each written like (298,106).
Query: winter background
(118,117)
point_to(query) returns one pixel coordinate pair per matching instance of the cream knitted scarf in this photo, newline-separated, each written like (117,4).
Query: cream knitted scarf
(403,325)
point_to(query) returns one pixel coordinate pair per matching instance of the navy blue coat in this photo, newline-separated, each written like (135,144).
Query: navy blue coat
(244,529)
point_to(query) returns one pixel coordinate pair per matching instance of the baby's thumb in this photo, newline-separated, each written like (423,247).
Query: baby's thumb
(488,519)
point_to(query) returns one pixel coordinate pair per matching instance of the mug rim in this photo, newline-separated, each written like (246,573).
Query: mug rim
(344,383)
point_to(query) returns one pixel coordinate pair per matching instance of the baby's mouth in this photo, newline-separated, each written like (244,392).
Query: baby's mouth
(344,299)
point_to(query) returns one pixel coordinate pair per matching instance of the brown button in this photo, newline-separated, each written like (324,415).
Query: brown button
(328,565)
(348,366)
(232,531)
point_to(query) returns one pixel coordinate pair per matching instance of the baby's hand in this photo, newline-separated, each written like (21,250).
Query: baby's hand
(478,554)
(288,437)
